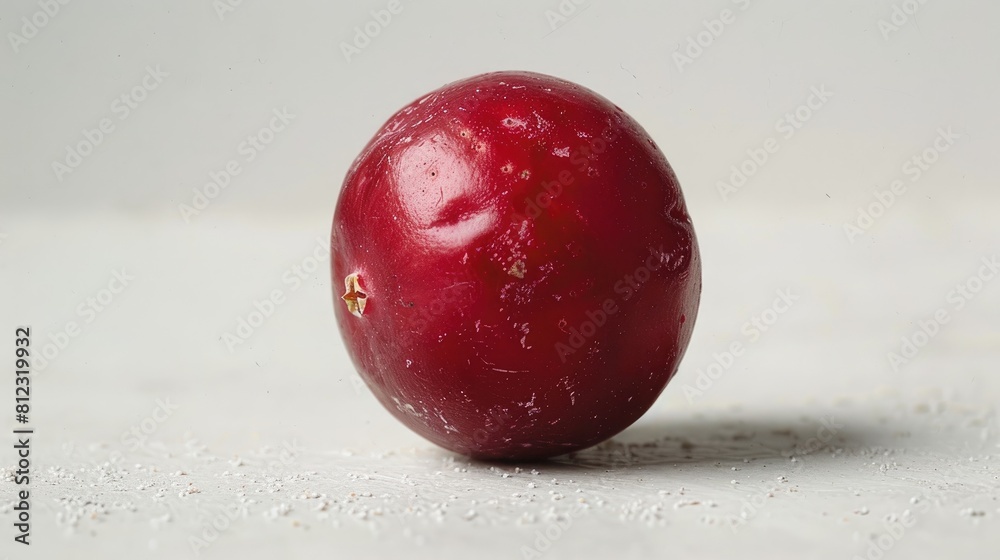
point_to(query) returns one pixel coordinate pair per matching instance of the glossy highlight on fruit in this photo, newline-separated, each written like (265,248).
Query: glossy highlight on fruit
(515,272)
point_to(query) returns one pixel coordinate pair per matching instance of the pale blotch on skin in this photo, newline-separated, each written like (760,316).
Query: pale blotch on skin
(517,269)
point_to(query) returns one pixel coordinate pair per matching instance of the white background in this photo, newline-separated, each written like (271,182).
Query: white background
(278,428)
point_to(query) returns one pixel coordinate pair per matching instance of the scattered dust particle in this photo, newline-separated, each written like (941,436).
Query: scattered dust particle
(685,503)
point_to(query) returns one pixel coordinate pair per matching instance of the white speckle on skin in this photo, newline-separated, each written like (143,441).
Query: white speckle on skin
(528,404)
(508,370)
(407,408)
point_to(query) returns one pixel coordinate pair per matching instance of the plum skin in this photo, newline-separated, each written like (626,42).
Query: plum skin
(527,272)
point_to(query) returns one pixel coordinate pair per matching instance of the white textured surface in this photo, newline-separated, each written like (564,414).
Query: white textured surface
(834,450)
(280,432)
